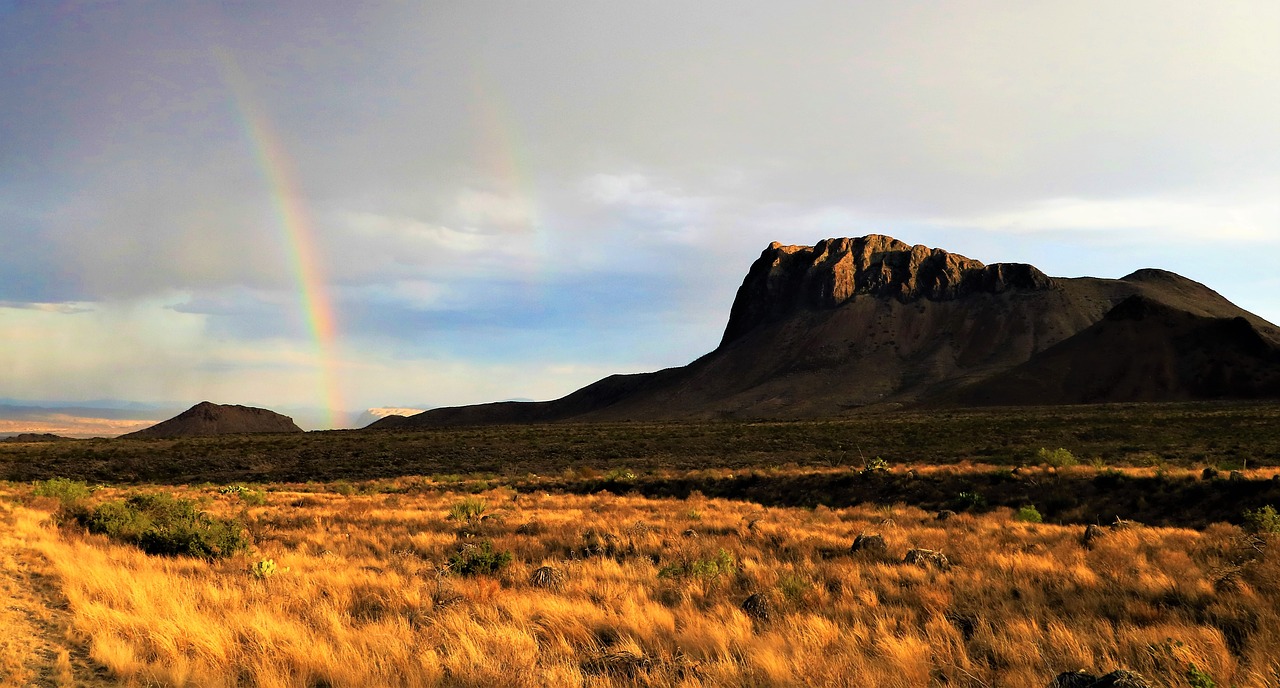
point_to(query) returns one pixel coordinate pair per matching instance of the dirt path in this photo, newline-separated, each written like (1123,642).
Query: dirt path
(35,649)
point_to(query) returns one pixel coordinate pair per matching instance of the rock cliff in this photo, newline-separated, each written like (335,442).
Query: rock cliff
(787,279)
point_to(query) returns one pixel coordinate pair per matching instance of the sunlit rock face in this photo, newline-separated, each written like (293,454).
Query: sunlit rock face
(786,279)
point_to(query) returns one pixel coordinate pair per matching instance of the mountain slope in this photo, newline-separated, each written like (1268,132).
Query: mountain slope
(207,418)
(816,331)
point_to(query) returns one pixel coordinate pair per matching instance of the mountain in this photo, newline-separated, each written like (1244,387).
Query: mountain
(871,321)
(207,418)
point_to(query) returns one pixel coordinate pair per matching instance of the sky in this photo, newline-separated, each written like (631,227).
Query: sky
(335,205)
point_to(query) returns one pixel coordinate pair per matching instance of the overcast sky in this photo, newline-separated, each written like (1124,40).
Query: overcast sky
(513,199)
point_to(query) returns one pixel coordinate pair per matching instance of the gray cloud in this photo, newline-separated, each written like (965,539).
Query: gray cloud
(569,171)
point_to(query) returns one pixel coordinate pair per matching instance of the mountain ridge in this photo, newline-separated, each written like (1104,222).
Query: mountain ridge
(871,321)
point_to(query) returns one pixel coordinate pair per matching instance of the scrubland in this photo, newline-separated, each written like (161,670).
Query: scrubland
(408,582)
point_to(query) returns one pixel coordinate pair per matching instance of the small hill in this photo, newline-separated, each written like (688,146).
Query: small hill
(848,323)
(36,437)
(207,418)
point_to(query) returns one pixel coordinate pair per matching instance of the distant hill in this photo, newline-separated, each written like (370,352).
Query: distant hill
(848,323)
(207,418)
(35,437)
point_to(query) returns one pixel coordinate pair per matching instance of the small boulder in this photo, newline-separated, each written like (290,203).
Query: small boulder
(757,607)
(928,558)
(1073,679)
(873,544)
(1091,535)
(1123,678)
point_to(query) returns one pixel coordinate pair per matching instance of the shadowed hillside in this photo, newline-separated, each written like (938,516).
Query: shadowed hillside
(847,323)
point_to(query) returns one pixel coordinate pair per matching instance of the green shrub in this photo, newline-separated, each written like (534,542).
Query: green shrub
(1263,520)
(160,523)
(707,569)
(1028,514)
(246,495)
(794,587)
(1058,458)
(469,509)
(66,491)
(479,559)
(969,500)
(1199,679)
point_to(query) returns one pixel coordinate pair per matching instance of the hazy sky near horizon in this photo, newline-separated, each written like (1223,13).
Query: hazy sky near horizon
(470,201)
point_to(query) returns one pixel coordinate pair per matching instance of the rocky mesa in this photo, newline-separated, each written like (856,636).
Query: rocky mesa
(852,323)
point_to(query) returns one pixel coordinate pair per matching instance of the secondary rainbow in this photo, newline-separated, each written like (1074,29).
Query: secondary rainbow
(297,230)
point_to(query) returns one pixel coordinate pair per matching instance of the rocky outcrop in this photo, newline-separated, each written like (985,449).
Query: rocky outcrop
(207,418)
(786,279)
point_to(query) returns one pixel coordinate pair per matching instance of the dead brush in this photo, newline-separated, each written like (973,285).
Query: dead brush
(547,578)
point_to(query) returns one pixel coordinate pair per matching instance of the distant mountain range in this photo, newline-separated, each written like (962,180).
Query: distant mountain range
(874,322)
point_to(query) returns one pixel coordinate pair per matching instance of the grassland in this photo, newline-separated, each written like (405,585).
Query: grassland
(653,555)
(372,589)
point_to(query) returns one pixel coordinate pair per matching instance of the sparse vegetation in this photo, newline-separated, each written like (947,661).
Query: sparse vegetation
(1057,458)
(1264,520)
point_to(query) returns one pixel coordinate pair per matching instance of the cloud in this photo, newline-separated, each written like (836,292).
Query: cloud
(1135,220)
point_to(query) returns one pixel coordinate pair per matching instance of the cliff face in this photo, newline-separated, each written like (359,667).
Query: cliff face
(788,279)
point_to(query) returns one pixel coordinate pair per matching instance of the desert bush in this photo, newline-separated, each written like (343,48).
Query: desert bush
(160,523)
(479,559)
(1028,514)
(1058,458)
(66,491)
(246,495)
(874,466)
(707,569)
(1264,520)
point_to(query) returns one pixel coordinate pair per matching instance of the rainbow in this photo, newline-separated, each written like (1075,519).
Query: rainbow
(298,234)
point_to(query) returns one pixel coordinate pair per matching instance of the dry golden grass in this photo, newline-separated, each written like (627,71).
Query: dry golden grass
(362,597)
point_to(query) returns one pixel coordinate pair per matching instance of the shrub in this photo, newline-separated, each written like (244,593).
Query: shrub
(970,500)
(875,465)
(479,559)
(1058,458)
(1028,514)
(163,524)
(1199,679)
(246,495)
(1263,520)
(620,475)
(707,569)
(66,491)
(469,509)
